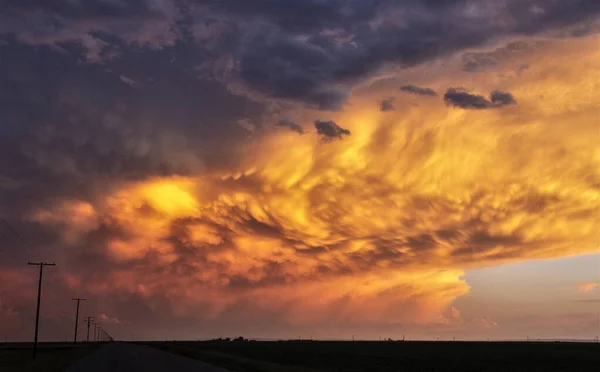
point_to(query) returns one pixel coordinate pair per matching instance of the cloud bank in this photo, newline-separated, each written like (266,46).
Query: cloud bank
(138,151)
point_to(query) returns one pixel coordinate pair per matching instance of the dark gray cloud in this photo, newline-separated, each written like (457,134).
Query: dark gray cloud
(330,130)
(94,9)
(302,15)
(387,104)
(461,98)
(419,91)
(74,127)
(535,16)
(294,70)
(291,125)
(480,61)
(101,28)
(458,97)
(501,98)
(306,51)
(473,62)
(329,60)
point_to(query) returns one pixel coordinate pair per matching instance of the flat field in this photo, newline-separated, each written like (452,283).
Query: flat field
(51,357)
(382,356)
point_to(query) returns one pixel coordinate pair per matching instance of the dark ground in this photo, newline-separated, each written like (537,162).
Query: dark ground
(106,357)
(129,357)
(382,356)
(309,356)
(51,357)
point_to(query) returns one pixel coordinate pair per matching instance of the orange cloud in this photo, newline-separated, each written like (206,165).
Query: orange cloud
(586,287)
(381,224)
(108,319)
(74,217)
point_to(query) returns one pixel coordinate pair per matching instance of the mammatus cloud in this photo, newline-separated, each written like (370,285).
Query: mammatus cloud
(586,287)
(161,206)
(382,225)
(419,91)
(330,130)
(291,125)
(461,98)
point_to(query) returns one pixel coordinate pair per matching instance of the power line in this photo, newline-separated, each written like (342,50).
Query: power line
(77,318)
(16,233)
(37,314)
(2,236)
(88,319)
(22,242)
(106,337)
(6,237)
(96,327)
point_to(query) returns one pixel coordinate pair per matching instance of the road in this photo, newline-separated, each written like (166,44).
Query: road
(122,357)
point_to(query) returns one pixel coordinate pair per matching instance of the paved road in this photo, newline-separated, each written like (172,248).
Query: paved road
(121,357)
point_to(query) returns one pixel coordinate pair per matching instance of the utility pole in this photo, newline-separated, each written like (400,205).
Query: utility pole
(37,314)
(88,319)
(77,318)
(97,331)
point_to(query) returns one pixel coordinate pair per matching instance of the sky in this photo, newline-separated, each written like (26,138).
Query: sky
(301,168)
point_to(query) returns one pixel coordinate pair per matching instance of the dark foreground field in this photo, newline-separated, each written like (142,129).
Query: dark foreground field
(51,357)
(297,356)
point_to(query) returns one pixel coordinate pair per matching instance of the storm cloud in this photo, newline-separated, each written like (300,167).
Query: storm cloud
(310,52)
(419,91)
(480,61)
(387,104)
(138,149)
(461,98)
(329,130)
(291,125)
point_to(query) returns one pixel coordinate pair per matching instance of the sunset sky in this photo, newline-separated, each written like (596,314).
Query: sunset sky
(286,168)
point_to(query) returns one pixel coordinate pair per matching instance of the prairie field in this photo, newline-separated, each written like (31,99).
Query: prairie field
(383,356)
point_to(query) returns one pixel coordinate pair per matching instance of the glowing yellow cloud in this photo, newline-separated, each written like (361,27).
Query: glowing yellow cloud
(381,224)
(170,197)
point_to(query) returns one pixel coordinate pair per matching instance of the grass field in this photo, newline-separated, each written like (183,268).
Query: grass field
(51,357)
(298,356)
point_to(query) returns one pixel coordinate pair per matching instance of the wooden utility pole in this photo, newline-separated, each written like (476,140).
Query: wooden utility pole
(37,313)
(77,317)
(88,319)
(96,331)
